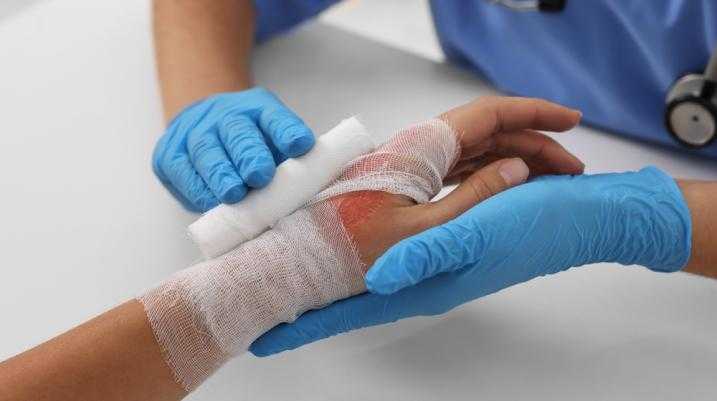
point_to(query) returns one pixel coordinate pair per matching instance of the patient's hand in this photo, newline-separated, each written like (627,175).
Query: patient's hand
(495,135)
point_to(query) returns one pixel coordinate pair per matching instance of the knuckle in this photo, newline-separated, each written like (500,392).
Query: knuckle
(498,120)
(274,115)
(248,148)
(271,117)
(282,120)
(236,123)
(482,187)
(486,99)
(491,106)
(216,172)
(200,144)
(244,140)
(243,145)
(537,102)
(534,113)
(247,154)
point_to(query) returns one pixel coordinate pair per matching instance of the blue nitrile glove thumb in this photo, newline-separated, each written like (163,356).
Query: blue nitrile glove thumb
(218,148)
(545,226)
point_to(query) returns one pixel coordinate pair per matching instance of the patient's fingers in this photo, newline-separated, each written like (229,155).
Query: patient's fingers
(490,115)
(482,184)
(542,153)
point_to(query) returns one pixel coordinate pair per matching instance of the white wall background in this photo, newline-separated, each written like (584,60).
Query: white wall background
(403,24)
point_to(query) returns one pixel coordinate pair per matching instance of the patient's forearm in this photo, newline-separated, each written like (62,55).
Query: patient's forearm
(202,47)
(112,357)
(701,197)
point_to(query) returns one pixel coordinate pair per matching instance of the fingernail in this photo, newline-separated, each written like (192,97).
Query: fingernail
(514,171)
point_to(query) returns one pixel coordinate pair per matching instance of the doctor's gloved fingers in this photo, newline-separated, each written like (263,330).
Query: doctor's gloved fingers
(184,183)
(244,143)
(489,115)
(349,314)
(447,246)
(285,130)
(207,154)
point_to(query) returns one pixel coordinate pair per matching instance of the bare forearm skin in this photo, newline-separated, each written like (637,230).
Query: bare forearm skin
(202,47)
(701,197)
(111,357)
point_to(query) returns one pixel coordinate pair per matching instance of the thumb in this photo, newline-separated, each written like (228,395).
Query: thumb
(441,249)
(490,180)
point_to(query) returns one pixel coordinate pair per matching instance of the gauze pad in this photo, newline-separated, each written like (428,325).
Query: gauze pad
(296,181)
(206,314)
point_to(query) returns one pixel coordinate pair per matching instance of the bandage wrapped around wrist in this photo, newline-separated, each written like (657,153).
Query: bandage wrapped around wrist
(206,314)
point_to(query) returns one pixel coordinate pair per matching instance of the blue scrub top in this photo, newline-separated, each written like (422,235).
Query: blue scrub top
(613,59)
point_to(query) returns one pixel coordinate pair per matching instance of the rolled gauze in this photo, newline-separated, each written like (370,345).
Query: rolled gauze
(296,181)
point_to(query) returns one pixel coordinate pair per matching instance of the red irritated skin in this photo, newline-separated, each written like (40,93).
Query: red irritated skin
(375,220)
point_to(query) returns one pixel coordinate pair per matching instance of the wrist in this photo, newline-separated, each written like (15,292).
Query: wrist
(700,198)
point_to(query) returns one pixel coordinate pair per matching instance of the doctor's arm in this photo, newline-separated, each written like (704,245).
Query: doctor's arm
(202,47)
(224,135)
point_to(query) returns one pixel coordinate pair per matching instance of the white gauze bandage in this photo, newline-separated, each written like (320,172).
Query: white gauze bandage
(206,314)
(296,181)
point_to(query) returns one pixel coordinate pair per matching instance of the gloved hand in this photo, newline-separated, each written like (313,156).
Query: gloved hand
(539,228)
(218,148)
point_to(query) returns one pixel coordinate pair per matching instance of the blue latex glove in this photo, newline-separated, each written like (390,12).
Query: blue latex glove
(216,149)
(539,228)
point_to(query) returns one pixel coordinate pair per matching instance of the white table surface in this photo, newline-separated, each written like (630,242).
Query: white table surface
(86,226)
